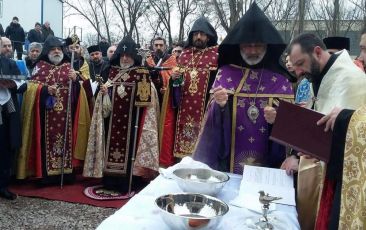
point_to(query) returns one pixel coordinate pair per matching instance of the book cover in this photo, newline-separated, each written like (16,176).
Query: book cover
(296,127)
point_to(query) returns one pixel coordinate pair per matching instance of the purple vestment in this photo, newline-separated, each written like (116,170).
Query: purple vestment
(230,139)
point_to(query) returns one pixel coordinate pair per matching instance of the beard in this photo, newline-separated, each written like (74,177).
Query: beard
(56,58)
(96,61)
(252,59)
(125,65)
(314,74)
(76,55)
(198,43)
(8,55)
(159,54)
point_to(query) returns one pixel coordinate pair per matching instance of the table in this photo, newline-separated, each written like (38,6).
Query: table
(140,213)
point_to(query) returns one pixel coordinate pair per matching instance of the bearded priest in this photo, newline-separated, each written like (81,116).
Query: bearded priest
(52,114)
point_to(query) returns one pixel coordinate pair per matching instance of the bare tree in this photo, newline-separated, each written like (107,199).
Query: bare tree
(230,11)
(223,8)
(130,11)
(106,18)
(94,11)
(163,9)
(333,18)
(185,8)
(361,5)
(301,19)
(283,14)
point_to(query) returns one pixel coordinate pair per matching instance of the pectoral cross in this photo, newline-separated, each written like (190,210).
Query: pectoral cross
(124,48)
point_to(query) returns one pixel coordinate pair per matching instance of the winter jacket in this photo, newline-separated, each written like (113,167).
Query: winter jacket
(15,32)
(35,36)
(46,32)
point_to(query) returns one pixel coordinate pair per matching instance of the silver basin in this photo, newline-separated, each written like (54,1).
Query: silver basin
(191,211)
(205,181)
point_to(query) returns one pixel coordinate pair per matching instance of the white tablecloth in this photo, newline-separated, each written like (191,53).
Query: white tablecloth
(141,213)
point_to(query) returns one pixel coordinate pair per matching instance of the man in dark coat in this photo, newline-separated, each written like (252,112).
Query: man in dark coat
(96,63)
(16,34)
(104,45)
(10,133)
(2,32)
(46,30)
(35,35)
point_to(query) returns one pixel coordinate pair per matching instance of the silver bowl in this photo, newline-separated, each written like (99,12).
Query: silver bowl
(191,211)
(205,181)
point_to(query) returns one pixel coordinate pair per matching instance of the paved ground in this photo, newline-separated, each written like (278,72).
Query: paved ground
(33,213)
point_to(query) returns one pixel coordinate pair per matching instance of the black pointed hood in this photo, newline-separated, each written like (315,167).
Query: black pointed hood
(50,43)
(126,46)
(253,27)
(203,25)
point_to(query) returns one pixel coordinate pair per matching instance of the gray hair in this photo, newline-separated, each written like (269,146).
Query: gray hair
(35,45)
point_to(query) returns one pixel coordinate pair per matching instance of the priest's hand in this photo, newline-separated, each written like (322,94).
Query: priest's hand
(72,75)
(175,74)
(162,90)
(329,119)
(220,95)
(291,165)
(270,114)
(104,89)
(52,90)
(302,104)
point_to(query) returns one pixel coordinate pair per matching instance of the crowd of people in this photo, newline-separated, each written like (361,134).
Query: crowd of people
(123,111)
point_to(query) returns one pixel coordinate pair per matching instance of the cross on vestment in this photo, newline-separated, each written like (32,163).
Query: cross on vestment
(124,48)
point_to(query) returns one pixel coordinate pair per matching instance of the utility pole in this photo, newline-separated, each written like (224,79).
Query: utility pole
(42,4)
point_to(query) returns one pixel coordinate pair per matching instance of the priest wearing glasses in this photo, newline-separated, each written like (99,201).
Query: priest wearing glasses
(249,78)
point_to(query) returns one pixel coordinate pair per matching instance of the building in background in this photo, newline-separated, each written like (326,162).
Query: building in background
(347,28)
(31,11)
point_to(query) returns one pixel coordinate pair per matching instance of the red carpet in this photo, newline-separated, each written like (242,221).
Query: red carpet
(69,193)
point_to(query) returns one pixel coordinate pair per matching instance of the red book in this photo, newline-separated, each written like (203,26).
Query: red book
(296,127)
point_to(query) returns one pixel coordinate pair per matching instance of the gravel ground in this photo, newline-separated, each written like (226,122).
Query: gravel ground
(34,213)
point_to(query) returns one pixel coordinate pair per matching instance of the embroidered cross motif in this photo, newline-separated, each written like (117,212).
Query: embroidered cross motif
(246,87)
(241,103)
(262,129)
(116,154)
(124,48)
(254,75)
(251,139)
